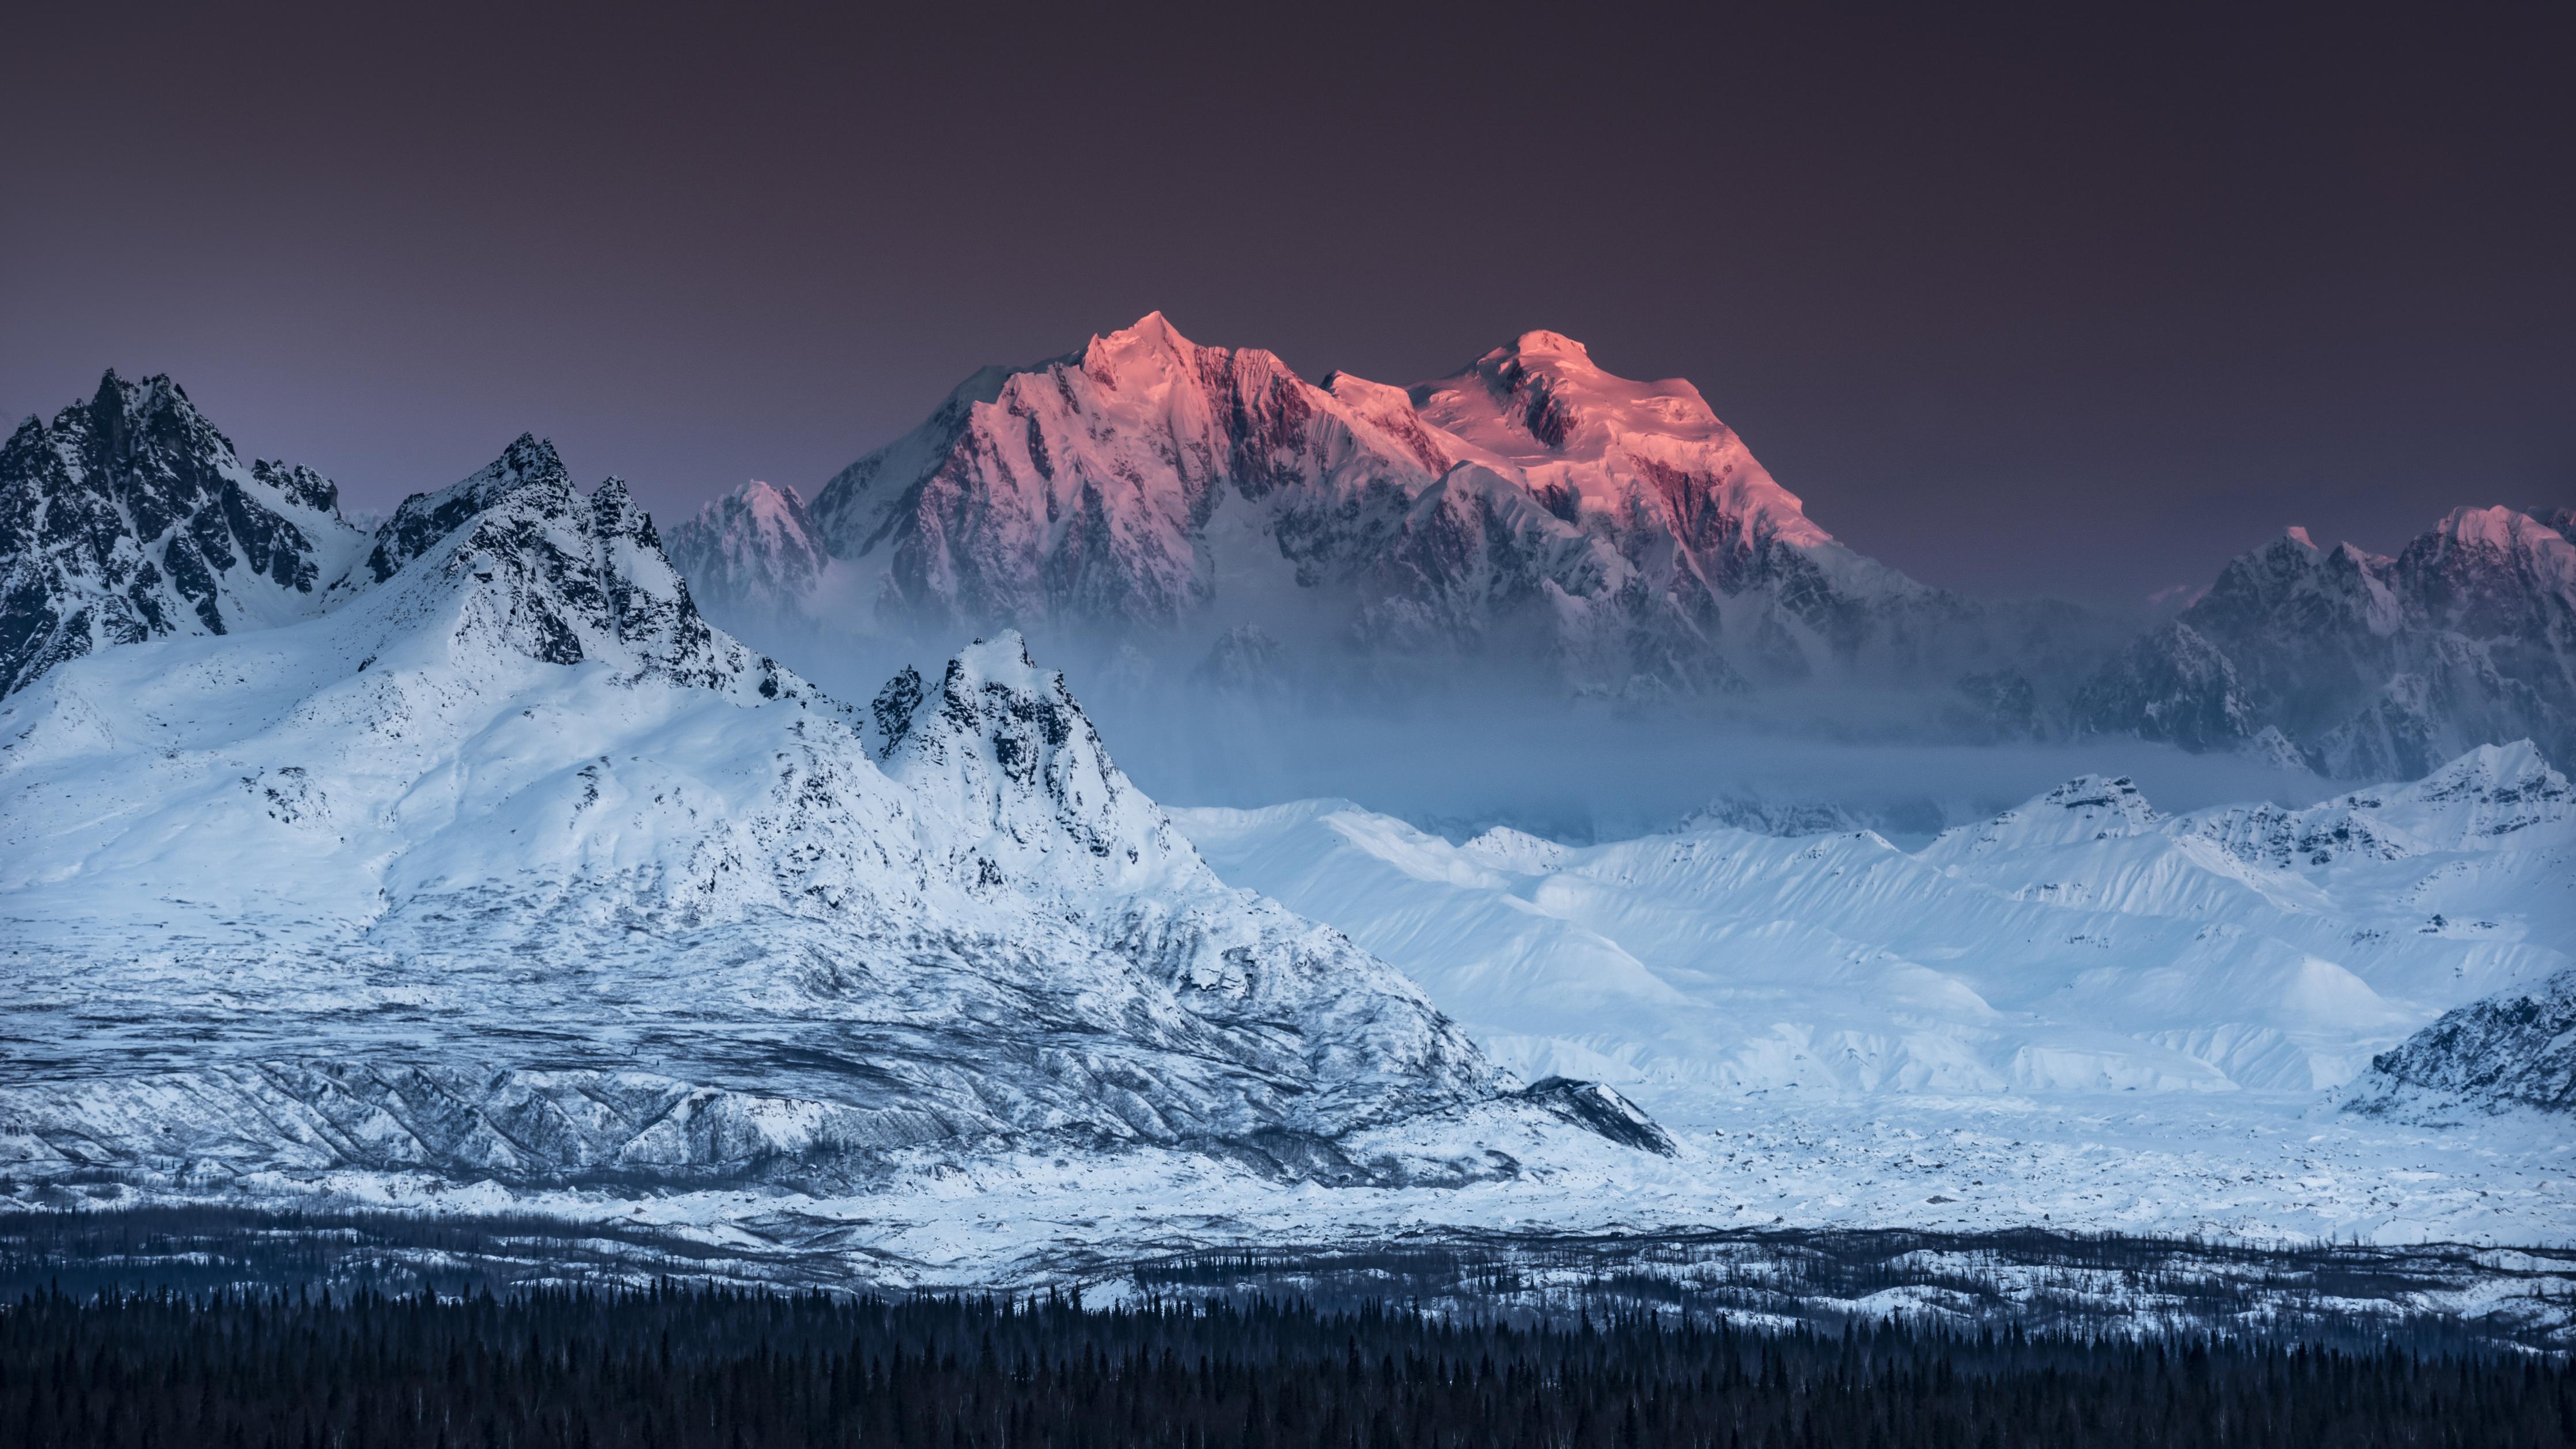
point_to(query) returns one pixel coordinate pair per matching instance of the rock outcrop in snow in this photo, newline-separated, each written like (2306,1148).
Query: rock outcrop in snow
(129,517)
(515,560)
(1001,745)
(2512,1051)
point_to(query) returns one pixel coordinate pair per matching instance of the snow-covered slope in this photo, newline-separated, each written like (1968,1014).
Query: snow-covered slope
(2084,942)
(128,517)
(2374,666)
(1532,513)
(510,866)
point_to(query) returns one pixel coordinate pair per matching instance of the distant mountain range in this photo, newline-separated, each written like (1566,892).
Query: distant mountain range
(1531,516)
(1535,518)
(2376,667)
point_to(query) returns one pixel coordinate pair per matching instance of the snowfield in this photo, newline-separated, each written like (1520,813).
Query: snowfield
(2082,1013)
(2081,943)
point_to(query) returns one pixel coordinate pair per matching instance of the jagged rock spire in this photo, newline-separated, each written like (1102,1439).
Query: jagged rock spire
(1003,745)
(129,517)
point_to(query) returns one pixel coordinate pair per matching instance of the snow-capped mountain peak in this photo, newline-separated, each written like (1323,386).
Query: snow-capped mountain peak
(2495,526)
(514,560)
(424,519)
(1535,508)
(1543,400)
(2377,666)
(2492,791)
(129,517)
(1551,393)
(1151,341)
(1539,342)
(2086,808)
(2492,559)
(1003,745)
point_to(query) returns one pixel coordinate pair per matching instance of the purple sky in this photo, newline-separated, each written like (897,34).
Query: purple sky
(2024,303)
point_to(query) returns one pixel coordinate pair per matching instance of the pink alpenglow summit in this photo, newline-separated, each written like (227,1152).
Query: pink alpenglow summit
(1531,511)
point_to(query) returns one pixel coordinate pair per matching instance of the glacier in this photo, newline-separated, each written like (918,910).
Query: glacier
(2084,942)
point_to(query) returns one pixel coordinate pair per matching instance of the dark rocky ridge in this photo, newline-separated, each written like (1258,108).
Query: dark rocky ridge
(2376,667)
(2508,1052)
(128,517)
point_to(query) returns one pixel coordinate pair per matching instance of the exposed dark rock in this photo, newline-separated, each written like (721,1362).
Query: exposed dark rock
(1594,1105)
(128,517)
(2513,1051)
(2172,685)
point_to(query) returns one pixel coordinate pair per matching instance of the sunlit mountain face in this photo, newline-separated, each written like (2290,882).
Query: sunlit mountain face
(1532,515)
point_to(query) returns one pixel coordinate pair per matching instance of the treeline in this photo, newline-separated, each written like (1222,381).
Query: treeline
(723,1369)
(2351,1296)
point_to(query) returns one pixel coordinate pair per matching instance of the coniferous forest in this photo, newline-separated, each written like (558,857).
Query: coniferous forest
(727,1369)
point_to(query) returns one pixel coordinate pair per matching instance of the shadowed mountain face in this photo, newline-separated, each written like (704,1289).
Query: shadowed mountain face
(2515,1050)
(2376,667)
(755,548)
